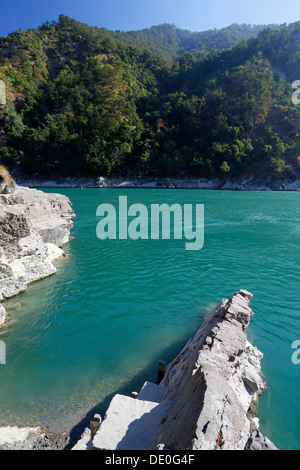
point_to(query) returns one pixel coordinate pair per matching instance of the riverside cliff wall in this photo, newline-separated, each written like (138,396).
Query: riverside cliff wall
(33,227)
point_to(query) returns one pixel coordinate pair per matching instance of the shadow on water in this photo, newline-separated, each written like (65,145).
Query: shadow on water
(148,374)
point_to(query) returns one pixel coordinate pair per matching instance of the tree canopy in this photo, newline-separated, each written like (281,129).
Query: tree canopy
(163,101)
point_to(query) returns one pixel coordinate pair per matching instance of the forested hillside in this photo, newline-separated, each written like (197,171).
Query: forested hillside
(172,42)
(87,101)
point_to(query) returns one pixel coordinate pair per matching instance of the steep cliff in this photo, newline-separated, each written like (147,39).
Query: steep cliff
(33,227)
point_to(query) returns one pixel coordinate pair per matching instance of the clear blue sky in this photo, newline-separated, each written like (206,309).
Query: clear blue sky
(195,15)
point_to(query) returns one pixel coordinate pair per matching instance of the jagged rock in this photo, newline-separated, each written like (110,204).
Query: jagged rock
(207,399)
(33,225)
(258,442)
(13,435)
(14,438)
(85,442)
(214,383)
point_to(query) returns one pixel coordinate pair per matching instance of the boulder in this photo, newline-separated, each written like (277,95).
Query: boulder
(33,227)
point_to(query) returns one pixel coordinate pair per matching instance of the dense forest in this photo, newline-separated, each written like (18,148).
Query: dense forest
(173,42)
(159,102)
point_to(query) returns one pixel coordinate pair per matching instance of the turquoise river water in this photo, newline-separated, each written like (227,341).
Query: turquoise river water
(115,308)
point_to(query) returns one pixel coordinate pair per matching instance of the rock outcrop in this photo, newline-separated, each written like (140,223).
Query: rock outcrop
(249,183)
(33,227)
(214,384)
(14,438)
(207,399)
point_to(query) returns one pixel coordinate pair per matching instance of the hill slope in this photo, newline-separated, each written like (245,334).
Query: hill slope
(173,42)
(82,100)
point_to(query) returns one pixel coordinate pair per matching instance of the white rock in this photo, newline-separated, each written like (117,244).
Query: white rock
(152,392)
(33,225)
(13,435)
(129,424)
(85,443)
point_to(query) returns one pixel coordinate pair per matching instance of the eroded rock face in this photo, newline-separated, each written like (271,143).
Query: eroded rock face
(33,225)
(207,399)
(214,385)
(14,438)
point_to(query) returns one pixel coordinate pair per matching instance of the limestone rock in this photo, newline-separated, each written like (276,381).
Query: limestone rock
(214,384)
(134,429)
(15,438)
(13,435)
(258,442)
(207,399)
(33,225)
(85,442)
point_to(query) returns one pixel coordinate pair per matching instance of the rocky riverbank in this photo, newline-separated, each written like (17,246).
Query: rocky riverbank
(209,394)
(14,438)
(246,184)
(33,227)
(207,399)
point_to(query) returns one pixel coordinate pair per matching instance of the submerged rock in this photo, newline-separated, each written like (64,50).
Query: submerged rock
(207,399)
(33,227)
